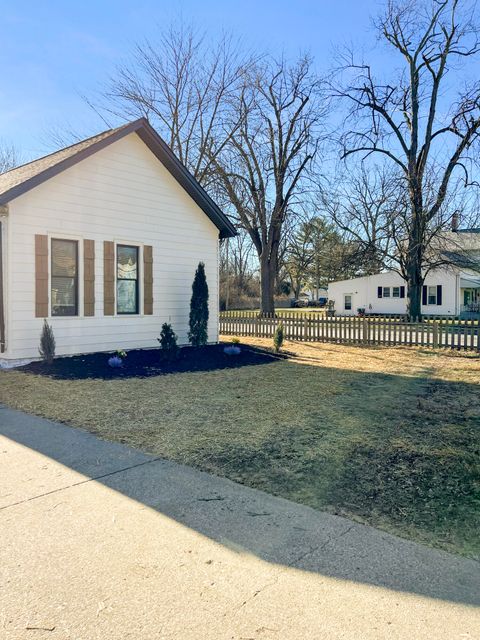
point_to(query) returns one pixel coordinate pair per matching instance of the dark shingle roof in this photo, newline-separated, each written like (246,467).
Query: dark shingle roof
(464,260)
(21,179)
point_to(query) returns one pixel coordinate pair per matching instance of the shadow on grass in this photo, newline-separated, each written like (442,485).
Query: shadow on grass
(419,468)
(146,363)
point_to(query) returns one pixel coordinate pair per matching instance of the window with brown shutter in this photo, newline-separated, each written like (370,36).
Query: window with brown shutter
(89,277)
(127,280)
(64,277)
(108,278)
(148,280)
(41,276)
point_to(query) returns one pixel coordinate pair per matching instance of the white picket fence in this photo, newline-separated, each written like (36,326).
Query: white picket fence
(435,332)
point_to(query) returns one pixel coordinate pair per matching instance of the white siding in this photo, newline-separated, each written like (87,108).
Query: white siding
(124,194)
(364,292)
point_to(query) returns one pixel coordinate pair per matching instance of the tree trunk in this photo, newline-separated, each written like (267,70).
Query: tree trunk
(296,289)
(415,257)
(414,282)
(414,298)
(267,280)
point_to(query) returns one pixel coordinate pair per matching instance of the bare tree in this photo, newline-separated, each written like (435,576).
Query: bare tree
(364,204)
(265,164)
(371,208)
(407,121)
(299,257)
(236,267)
(9,158)
(184,84)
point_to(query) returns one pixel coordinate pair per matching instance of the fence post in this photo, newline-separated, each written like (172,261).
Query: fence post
(435,334)
(365,331)
(305,329)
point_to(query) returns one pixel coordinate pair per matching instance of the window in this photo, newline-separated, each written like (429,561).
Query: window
(348,302)
(386,292)
(432,295)
(396,292)
(64,280)
(127,279)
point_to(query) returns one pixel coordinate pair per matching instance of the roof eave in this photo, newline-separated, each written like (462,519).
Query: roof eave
(161,150)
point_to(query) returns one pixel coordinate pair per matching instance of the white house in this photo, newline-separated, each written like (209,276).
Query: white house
(453,290)
(102,239)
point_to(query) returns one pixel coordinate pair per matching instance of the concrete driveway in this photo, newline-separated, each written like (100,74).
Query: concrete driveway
(101,541)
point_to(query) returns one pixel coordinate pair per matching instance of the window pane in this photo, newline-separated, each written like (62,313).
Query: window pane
(127,296)
(432,295)
(64,258)
(348,303)
(127,258)
(64,296)
(386,292)
(396,292)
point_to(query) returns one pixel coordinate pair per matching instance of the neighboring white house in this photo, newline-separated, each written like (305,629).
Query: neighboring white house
(450,291)
(102,239)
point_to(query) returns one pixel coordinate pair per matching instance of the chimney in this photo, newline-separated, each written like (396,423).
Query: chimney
(455,219)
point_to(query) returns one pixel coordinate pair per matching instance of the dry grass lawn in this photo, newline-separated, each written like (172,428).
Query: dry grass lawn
(387,436)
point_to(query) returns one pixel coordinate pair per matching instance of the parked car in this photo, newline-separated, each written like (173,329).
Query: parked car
(321,302)
(297,303)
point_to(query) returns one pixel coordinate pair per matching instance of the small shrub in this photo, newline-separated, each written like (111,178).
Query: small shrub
(47,343)
(279,337)
(198,334)
(115,362)
(168,342)
(232,350)
(235,340)
(120,353)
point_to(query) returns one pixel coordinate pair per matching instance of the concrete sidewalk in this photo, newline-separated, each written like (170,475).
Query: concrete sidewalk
(101,541)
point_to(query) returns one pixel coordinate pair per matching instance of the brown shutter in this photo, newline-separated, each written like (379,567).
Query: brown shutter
(147,280)
(41,276)
(108,278)
(89,277)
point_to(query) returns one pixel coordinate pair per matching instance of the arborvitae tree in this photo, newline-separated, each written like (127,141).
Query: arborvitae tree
(198,334)
(279,337)
(168,342)
(47,343)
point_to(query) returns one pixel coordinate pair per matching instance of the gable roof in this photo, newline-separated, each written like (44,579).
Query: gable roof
(17,181)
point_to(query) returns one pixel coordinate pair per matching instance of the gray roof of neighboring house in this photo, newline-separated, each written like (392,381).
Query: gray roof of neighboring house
(464,260)
(17,181)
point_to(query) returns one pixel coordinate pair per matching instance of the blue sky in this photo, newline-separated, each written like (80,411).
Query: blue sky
(53,52)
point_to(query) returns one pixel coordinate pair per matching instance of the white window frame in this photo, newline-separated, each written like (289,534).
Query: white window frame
(345,296)
(434,296)
(393,292)
(383,292)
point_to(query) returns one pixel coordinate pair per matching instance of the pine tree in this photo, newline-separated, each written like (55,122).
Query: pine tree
(47,343)
(198,334)
(168,342)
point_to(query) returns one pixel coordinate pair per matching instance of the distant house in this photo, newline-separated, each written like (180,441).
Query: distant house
(102,239)
(453,290)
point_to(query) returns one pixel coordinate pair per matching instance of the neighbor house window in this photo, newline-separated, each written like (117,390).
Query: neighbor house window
(386,292)
(432,295)
(396,292)
(348,302)
(64,278)
(127,279)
